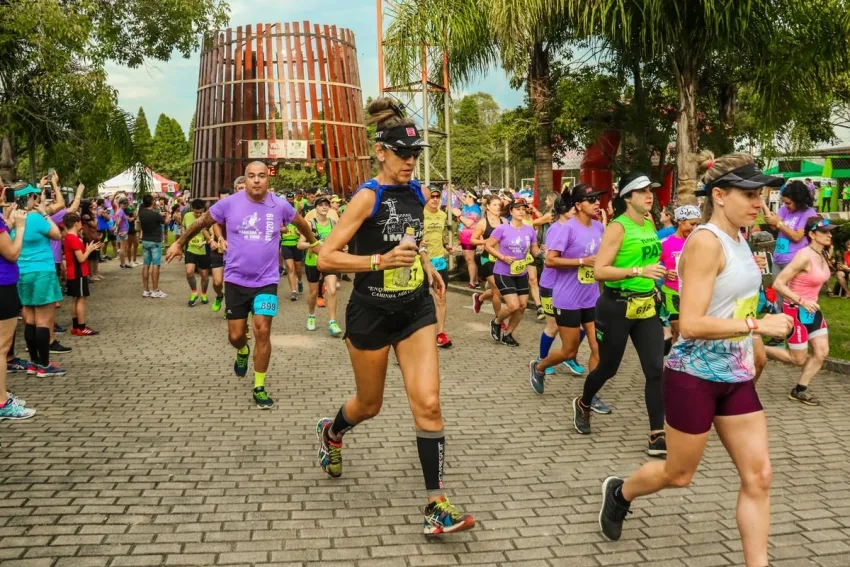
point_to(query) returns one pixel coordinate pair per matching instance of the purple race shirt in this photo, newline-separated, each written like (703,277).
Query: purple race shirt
(253,237)
(786,248)
(121,221)
(549,275)
(9,274)
(575,288)
(56,245)
(513,242)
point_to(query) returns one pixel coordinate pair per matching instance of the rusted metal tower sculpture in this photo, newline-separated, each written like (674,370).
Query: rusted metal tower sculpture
(287,94)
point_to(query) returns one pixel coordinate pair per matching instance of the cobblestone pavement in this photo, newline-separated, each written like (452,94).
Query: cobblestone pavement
(150,452)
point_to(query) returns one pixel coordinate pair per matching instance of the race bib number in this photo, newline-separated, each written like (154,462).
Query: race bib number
(439,263)
(546,304)
(782,245)
(746,308)
(804,316)
(640,307)
(585,275)
(265,304)
(404,279)
(518,267)
(491,258)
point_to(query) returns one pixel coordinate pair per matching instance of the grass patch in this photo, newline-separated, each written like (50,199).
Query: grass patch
(837,313)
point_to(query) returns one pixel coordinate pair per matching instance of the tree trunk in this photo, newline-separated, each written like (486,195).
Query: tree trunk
(686,130)
(7,159)
(538,93)
(31,150)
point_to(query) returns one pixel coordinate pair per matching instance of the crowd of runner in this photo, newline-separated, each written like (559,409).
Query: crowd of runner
(684,287)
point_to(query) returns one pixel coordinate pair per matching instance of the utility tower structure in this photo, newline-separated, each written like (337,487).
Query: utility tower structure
(425,94)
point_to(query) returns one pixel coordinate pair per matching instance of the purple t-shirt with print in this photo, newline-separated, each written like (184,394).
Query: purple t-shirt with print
(575,288)
(56,245)
(253,237)
(121,221)
(549,275)
(9,274)
(513,242)
(786,248)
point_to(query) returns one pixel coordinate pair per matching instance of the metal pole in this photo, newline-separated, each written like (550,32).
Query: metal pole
(447,109)
(380,46)
(425,117)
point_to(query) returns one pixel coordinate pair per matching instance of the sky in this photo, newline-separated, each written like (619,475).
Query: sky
(171,87)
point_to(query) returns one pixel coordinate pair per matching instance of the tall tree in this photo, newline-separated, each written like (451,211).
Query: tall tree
(142,138)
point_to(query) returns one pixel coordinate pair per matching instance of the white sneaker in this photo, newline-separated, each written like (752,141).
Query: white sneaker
(146,293)
(159,294)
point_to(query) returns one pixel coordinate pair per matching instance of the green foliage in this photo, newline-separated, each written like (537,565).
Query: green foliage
(169,154)
(290,179)
(142,139)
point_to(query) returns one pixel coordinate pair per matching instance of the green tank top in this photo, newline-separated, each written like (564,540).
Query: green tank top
(640,248)
(321,232)
(290,236)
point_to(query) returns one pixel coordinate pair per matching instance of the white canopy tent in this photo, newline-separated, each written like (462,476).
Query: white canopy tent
(125,182)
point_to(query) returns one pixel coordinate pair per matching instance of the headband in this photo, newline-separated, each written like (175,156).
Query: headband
(686,212)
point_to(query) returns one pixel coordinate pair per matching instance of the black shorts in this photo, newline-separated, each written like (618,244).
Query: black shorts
(314,275)
(200,260)
(107,236)
(485,270)
(292,253)
(445,275)
(370,328)
(240,300)
(575,318)
(59,269)
(512,285)
(10,304)
(216,260)
(78,287)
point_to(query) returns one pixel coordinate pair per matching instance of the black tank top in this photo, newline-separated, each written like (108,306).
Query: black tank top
(396,209)
(488,228)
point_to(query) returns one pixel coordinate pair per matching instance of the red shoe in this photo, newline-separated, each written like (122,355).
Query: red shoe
(75,331)
(87,332)
(443,340)
(321,302)
(476,302)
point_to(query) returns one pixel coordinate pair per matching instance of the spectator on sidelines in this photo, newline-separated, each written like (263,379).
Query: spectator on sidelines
(152,221)
(122,230)
(76,263)
(91,234)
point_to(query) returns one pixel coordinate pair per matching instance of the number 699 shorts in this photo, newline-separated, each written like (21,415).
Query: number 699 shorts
(240,300)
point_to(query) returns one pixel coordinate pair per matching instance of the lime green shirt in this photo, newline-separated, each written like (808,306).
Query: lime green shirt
(845,193)
(197,245)
(321,232)
(290,236)
(640,248)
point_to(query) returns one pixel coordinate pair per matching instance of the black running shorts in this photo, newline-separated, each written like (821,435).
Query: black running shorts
(78,287)
(10,304)
(292,253)
(575,318)
(216,260)
(508,285)
(370,328)
(202,261)
(240,300)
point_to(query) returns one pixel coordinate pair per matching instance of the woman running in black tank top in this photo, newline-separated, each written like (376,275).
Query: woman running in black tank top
(391,307)
(483,230)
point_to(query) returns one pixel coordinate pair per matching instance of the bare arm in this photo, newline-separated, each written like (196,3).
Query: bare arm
(555,260)
(202,223)
(799,264)
(491,245)
(476,239)
(304,228)
(11,249)
(535,249)
(793,235)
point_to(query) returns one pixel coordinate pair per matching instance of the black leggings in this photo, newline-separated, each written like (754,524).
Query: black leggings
(613,331)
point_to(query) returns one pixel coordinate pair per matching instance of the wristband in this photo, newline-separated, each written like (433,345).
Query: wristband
(378,259)
(316,243)
(640,270)
(423,250)
(372,265)
(581,261)
(752,324)
(635,272)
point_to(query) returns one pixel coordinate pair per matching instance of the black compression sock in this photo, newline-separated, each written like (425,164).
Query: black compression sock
(432,450)
(42,340)
(341,425)
(798,388)
(29,339)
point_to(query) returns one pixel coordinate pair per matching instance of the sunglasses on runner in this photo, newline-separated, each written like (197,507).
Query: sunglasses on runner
(407,153)
(591,200)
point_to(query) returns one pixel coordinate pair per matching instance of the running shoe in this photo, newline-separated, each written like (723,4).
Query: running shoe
(15,366)
(581,417)
(311,322)
(300,286)
(574,367)
(85,332)
(16,400)
(205,300)
(657,445)
(600,407)
(330,452)
(32,369)
(216,304)
(57,348)
(443,518)
(508,339)
(293,296)
(443,340)
(320,302)
(193,300)
(240,366)
(536,378)
(540,315)
(612,514)
(334,329)
(549,371)
(50,370)
(14,411)
(476,302)
(159,294)
(804,397)
(262,399)
(147,294)
(57,330)
(495,331)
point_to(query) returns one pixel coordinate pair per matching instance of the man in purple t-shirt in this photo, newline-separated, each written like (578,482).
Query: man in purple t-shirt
(122,230)
(253,220)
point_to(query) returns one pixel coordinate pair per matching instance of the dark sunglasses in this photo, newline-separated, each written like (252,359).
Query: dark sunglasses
(591,200)
(407,153)
(435,196)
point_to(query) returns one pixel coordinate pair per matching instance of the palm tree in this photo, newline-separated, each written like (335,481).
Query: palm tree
(523,36)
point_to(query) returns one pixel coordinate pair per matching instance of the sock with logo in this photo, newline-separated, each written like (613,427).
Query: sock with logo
(432,450)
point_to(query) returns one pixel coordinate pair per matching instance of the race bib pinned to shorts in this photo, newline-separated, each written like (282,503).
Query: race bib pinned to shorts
(439,263)
(548,307)
(265,304)
(585,275)
(783,245)
(640,307)
(804,316)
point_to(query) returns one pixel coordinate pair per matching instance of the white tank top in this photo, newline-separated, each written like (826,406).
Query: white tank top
(735,296)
